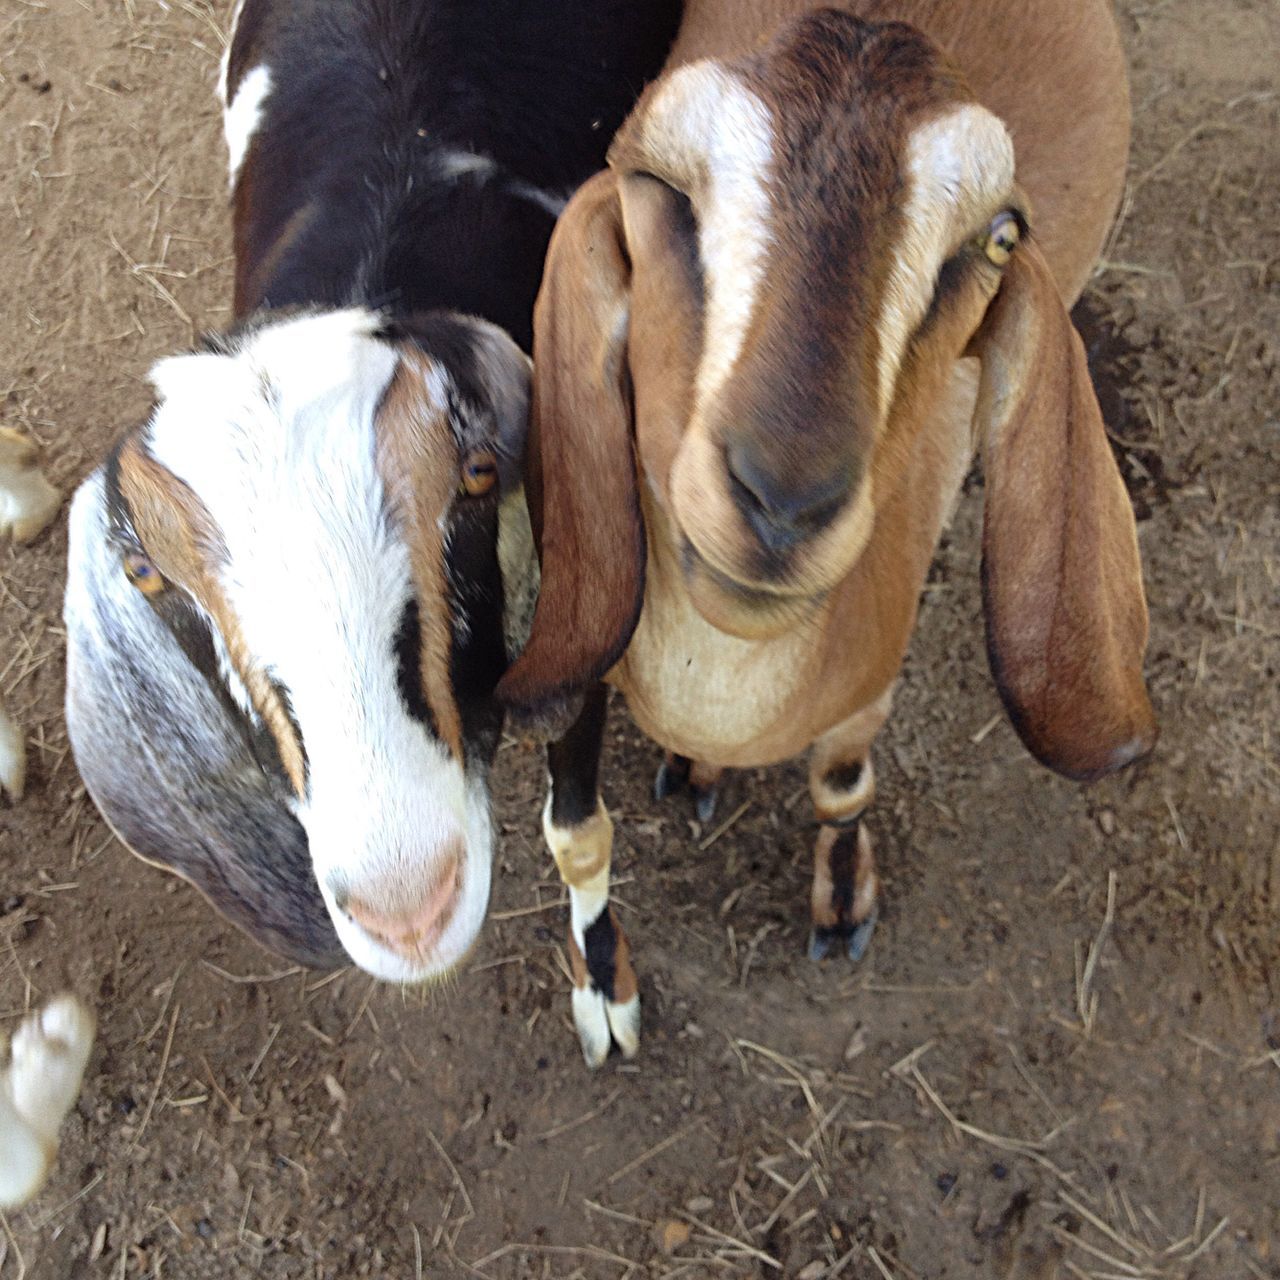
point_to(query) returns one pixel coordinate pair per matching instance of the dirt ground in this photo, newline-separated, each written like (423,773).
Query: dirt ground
(1062,1056)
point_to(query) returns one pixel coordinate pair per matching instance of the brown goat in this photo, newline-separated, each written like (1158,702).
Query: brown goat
(768,342)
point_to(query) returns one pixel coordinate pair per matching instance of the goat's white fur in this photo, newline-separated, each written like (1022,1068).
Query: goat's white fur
(716,136)
(243,117)
(453,164)
(959,169)
(50,1052)
(249,433)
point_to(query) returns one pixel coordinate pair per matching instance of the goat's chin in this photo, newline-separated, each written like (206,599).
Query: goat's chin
(741,610)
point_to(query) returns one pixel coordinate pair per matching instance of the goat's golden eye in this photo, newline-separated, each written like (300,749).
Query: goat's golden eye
(143,574)
(1002,238)
(479,472)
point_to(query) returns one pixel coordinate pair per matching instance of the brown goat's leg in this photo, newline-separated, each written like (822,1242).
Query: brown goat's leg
(678,772)
(578,830)
(846,886)
(846,891)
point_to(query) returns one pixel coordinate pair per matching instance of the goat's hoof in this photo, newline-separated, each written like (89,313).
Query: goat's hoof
(679,773)
(853,939)
(50,1052)
(13,759)
(28,502)
(601,1023)
(672,777)
(704,802)
(860,936)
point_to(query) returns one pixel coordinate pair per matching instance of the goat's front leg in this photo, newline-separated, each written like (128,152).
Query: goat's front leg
(606,1003)
(846,887)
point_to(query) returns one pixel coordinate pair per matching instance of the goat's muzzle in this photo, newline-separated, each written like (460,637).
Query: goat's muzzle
(758,555)
(409,925)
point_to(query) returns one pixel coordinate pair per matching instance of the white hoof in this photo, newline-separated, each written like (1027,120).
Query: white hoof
(601,1023)
(13,758)
(27,500)
(50,1052)
(592,1022)
(624,1023)
(24,1159)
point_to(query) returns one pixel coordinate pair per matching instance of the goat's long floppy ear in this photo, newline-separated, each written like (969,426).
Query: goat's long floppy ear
(580,466)
(1062,582)
(167,763)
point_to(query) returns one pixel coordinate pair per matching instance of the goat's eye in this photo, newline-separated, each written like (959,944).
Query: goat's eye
(479,472)
(1002,238)
(143,574)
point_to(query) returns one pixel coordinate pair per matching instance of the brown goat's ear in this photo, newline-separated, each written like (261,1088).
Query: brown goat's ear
(1062,583)
(580,466)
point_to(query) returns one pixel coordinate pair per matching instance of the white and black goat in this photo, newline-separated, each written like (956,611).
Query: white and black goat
(285,607)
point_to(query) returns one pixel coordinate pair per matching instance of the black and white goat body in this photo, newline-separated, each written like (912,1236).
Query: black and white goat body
(286,604)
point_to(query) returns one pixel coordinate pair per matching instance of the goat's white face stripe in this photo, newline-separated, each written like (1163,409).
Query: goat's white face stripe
(958,167)
(277,441)
(243,116)
(715,139)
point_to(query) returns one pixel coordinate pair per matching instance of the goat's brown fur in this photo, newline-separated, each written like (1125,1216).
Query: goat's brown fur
(781,324)
(418,461)
(829,629)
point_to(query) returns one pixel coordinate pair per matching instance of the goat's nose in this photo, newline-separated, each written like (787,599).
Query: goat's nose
(412,930)
(781,514)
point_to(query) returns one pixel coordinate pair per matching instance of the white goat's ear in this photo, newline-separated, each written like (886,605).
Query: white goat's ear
(579,471)
(167,758)
(1062,582)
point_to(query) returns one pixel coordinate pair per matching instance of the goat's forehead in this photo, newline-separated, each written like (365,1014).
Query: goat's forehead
(843,130)
(818,188)
(961,162)
(287,418)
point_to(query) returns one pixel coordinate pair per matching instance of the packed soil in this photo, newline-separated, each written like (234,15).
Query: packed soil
(1061,1056)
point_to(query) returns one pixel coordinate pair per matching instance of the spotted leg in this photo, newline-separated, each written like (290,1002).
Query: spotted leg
(606,1003)
(702,780)
(846,887)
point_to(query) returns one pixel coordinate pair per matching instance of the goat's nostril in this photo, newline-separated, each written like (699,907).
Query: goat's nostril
(749,487)
(749,494)
(781,514)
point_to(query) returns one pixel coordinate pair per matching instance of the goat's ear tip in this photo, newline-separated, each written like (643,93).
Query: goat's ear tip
(1089,759)
(539,718)
(1139,746)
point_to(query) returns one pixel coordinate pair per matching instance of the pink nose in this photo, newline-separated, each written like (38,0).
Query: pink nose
(413,931)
